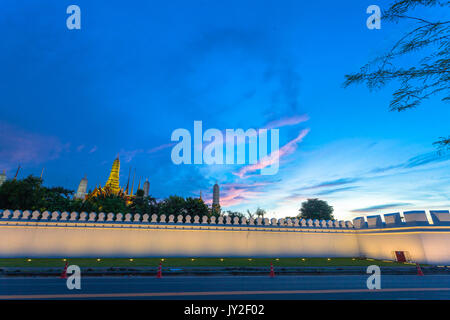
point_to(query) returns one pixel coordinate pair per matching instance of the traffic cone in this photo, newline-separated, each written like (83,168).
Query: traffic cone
(159,274)
(419,270)
(272,273)
(64,273)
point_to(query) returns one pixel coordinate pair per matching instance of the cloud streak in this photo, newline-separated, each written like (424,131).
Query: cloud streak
(381,207)
(273,157)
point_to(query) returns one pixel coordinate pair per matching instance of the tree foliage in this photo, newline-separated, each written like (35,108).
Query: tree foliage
(30,194)
(316,209)
(428,74)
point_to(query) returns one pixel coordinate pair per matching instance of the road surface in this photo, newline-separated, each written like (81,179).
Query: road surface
(393,287)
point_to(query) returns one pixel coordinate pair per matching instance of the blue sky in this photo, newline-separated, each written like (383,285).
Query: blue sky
(72,99)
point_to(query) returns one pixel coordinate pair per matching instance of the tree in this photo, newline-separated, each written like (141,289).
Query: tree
(107,203)
(233,214)
(143,205)
(428,76)
(316,209)
(260,213)
(215,210)
(173,205)
(196,206)
(29,194)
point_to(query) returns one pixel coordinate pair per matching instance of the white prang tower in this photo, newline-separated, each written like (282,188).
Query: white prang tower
(2,177)
(82,188)
(216,199)
(146,188)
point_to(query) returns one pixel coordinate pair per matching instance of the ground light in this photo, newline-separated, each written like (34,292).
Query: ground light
(221,259)
(277,259)
(328,259)
(99,260)
(64,259)
(249,259)
(192,259)
(131,260)
(162,260)
(29,260)
(303,259)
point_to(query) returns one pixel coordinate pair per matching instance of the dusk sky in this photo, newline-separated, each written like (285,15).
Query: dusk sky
(71,100)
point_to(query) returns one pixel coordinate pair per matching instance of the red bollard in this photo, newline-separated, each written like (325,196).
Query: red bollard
(272,273)
(64,273)
(419,270)
(159,274)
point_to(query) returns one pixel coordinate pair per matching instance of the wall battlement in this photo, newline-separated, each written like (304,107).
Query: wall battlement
(35,216)
(411,218)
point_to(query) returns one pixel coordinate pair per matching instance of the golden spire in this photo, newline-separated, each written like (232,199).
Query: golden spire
(42,172)
(113,180)
(132,183)
(139,185)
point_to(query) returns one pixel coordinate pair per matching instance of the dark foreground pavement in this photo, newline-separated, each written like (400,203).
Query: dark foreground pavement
(341,287)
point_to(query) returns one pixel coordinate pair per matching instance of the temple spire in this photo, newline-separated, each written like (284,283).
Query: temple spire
(113,180)
(132,183)
(17,172)
(128,182)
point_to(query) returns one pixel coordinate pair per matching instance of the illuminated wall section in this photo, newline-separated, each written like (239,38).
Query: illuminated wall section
(35,234)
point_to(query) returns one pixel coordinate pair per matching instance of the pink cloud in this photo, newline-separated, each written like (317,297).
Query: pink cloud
(274,157)
(19,146)
(236,193)
(287,121)
(234,196)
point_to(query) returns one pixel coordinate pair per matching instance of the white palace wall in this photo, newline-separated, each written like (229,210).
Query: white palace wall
(35,234)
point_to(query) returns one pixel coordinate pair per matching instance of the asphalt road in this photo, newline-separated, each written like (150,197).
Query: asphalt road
(230,287)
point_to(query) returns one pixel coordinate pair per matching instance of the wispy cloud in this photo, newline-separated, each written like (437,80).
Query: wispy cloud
(93,149)
(19,146)
(273,157)
(416,161)
(286,121)
(232,194)
(381,207)
(80,147)
(332,183)
(129,155)
(331,191)
(161,147)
